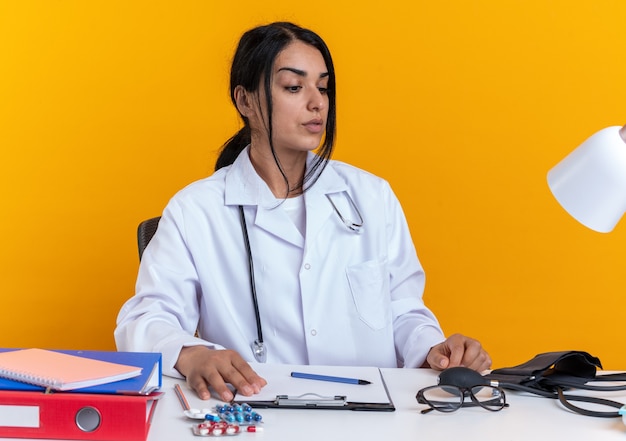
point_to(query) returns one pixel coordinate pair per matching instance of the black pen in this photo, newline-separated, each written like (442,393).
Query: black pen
(328,378)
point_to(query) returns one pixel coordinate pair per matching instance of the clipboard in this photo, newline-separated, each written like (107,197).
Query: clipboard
(285,392)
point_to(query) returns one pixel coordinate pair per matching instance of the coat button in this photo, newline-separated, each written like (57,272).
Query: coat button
(313,332)
(307,266)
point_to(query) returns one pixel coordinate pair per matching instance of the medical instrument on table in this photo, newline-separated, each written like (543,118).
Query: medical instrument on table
(194,414)
(258,346)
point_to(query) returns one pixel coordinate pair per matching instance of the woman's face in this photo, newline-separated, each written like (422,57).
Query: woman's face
(299,98)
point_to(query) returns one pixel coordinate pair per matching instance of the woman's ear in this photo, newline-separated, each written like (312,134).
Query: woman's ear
(243,100)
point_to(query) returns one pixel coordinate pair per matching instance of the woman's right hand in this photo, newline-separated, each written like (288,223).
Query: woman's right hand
(204,367)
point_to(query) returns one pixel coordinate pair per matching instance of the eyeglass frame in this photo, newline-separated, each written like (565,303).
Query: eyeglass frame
(464,391)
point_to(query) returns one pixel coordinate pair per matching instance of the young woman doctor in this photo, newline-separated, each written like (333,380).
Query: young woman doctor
(283,255)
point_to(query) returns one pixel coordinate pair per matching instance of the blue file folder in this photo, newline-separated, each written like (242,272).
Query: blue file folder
(149,381)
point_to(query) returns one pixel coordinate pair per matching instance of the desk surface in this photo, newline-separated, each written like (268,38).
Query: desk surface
(528,417)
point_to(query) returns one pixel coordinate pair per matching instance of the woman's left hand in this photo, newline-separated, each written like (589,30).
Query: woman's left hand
(458,350)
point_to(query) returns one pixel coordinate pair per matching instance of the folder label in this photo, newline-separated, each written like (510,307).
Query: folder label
(19,416)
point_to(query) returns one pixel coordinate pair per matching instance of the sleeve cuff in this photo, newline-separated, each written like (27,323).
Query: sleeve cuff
(421,341)
(171,349)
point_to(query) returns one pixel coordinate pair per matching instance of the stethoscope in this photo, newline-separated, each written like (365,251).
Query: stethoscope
(259,350)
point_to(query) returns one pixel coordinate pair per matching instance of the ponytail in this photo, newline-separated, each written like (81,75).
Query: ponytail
(233,147)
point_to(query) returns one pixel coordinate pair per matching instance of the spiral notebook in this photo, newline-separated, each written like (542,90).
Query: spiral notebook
(59,371)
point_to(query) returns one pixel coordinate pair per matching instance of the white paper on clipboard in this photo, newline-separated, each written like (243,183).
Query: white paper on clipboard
(280,382)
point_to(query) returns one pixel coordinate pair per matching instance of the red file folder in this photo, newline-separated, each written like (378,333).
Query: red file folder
(76,416)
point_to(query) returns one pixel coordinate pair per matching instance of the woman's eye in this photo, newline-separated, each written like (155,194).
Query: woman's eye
(293,88)
(323,90)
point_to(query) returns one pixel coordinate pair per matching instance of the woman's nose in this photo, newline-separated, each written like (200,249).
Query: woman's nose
(317,100)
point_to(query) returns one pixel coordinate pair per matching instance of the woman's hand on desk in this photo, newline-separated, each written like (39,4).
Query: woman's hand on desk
(458,350)
(204,367)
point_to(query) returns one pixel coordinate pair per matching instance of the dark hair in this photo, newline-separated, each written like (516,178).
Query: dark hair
(253,61)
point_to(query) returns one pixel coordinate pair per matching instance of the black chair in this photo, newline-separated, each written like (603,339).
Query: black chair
(145,231)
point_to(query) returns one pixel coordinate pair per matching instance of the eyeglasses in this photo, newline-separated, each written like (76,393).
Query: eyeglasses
(451,398)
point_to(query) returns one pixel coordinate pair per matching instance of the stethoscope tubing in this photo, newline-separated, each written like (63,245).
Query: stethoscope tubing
(258,346)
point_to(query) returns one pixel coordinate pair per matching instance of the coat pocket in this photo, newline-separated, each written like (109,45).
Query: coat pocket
(369,285)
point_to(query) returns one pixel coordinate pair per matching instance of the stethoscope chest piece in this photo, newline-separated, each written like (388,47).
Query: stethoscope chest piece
(259,351)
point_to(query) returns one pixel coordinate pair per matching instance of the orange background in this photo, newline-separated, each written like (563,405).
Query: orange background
(108,107)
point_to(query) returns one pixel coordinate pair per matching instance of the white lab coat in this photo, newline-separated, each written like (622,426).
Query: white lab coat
(336,297)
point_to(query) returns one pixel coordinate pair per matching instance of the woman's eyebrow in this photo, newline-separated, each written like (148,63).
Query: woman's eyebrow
(301,72)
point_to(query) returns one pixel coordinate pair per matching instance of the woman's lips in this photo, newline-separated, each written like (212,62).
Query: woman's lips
(314,126)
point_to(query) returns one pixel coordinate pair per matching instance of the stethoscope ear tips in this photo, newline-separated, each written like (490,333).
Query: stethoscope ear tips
(356,227)
(352,226)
